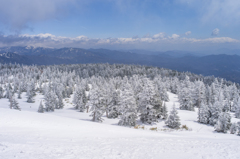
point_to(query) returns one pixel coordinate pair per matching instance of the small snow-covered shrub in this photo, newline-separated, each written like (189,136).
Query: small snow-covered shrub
(139,127)
(185,127)
(153,129)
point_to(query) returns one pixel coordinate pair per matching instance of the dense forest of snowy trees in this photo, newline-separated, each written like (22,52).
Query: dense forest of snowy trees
(127,92)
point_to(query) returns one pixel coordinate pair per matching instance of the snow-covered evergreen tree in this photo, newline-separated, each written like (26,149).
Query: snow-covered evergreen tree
(41,108)
(203,114)
(96,104)
(198,94)
(1,92)
(235,103)
(8,91)
(50,100)
(149,103)
(215,111)
(233,128)
(107,92)
(164,111)
(14,103)
(214,92)
(77,98)
(237,110)
(60,103)
(30,93)
(30,98)
(186,100)
(173,120)
(128,106)
(226,105)
(19,91)
(115,105)
(238,127)
(223,123)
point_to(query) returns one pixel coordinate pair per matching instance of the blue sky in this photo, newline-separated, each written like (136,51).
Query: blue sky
(121,24)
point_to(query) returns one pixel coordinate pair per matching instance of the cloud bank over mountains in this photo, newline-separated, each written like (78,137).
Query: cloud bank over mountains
(157,42)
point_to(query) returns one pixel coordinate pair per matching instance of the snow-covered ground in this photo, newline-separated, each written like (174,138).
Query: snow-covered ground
(69,134)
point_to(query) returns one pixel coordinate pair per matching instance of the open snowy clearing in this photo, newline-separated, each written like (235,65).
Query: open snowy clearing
(69,134)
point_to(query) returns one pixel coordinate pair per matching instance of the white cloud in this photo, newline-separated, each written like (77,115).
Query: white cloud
(218,40)
(175,36)
(18,13)
(223,12)
(188,33)
(215,32)
(159,35)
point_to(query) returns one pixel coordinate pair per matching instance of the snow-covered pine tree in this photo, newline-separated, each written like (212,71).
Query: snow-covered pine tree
(215,111)
(50,100)
(19,91)
(238,127)
(14,103)
(208,94)
(186,100)
(128,106)
(8,93)
(77,97)
(157,105)
(237,110)
(58,92)
(226,105)
(15,86)
(33,87)
(233,128)
(163,94)
(84,99)
(60,103)
(173,120)
(80,99)
(203,114)
(164,111)
(96,105)
(235,102)
(30,98)
(115,104)
(161,89)
(198,94)
(226,92)
(1,92)
(174,85)
(40,86)
(41,108)
(223,123)
(147,102)
(30,93)
(107,92)
(214,92)
(233,91)
(69,92)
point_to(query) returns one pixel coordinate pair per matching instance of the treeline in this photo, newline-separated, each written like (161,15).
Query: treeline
(127,92)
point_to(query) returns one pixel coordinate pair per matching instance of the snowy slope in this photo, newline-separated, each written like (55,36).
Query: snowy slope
(69,134)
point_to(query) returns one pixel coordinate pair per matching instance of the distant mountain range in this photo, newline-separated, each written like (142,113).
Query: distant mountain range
(225,66)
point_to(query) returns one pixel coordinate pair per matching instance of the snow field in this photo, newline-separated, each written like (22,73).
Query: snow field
(69,134)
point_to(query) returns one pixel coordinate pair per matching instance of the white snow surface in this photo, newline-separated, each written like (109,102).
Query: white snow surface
(69,134)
